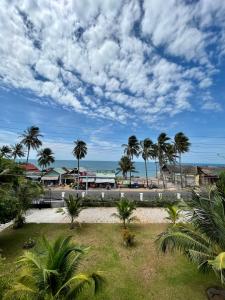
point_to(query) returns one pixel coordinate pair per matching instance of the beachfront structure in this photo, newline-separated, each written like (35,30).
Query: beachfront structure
(192,175)
(100,178)
(31,171)
(54,176)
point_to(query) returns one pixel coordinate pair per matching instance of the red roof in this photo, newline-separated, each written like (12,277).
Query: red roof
(30,168)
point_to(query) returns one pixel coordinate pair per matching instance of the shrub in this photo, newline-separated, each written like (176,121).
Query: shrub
(19,221)
(30,243)
(128,238)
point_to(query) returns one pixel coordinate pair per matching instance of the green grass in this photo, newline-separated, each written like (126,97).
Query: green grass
(135,273)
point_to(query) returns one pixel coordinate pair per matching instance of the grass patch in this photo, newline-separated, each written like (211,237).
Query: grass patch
(136,273)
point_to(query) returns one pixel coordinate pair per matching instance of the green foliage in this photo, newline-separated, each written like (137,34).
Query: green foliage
(220,184)
(8,205)
(17,151)
(128,238)
(174,213)
(203,240)
(125,209)
(53,274)
(45,157)
(125,166)
(74,206)
(31,139)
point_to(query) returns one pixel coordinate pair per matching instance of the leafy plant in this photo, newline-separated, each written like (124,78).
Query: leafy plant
(125,209)
(128,238)
(174,213)
(203,239)
(30,243)
(53,274)
(74,207)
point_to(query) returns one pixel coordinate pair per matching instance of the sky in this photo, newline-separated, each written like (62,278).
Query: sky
(101,71)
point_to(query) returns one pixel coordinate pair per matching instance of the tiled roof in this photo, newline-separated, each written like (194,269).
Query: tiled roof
(30,167)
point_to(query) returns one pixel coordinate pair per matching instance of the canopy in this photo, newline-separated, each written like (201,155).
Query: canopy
(45,178)
(105,180)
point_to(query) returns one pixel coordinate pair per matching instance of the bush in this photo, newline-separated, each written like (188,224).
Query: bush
(19,221)
(30,243)
(128,238)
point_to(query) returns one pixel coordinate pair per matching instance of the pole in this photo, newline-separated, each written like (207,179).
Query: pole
(86,184)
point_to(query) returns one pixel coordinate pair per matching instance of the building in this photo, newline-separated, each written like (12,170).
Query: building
(31,171)
(54,176)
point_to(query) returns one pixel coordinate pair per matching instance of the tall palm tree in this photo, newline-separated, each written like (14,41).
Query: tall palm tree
(131,149)
(31,139)
(17,151)
(125,209)
(154,156)
(202,239)
(5,151)
(125,165)
(45,157)
(171,156)
(162,146)
(79,151)
(74,207)
(146,148)
(182,145)
(53,273)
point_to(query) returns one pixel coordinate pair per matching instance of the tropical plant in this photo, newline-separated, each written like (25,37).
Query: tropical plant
(53,273)
(220,184)
(5,151)
(182,145)
(146,151)
(125,209)
(8,205)
(128,238)
(131,149)
(79,151)
(17,151)
(174,213)
(154,156)
(31,139)
(202,240)
(125,165)
(45,157)
(74,206)
(162,147)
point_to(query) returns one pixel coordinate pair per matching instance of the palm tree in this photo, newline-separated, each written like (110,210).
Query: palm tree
(131,149)
(45,157)
(79,151)
(174,213)
(53,273)
(182,145)
(17,151)
(74,207)
(5,151)
(125,165)
(202,239)
(171,157)
(31,139)
(162,146)
(146,148)
(125,210)
(154,155)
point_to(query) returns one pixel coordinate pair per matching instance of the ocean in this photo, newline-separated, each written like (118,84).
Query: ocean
(102,165)
(111,165)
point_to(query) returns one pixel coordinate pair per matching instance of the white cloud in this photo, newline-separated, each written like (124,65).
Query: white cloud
(113,59)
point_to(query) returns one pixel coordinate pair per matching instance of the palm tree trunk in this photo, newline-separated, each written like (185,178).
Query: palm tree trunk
(146,172)
(130,178)
(28,152)
(156,169)
(14,158)
(181,178)
(78,178)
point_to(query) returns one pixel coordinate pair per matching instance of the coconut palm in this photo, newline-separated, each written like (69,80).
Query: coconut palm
(125,209)
(125,165)
(162,146)
(131,149)
(202,240)
(79,151)
(5,151)
(174,213)
(17,151)
(182,145)
(146,148)
(45,157)
(154,156)
(53,273)
(74,207)
(31,139)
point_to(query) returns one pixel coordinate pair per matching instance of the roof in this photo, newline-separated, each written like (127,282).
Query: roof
(105,174)
(49,178)
(29,167)
(212,171)
(60,170)
(185,169)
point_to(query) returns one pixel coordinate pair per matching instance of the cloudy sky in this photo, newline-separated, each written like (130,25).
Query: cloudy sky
(103,70)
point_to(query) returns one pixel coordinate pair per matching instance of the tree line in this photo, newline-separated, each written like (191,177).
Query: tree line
(164,151)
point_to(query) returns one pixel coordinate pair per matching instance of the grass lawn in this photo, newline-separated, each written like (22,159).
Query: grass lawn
(136,273)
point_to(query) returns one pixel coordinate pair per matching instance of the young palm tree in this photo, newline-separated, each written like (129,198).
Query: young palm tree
(202,240)
(17,151)
(174,213)
(31,139)
(73,207)
(5,151)
(45,157)
(79,151)
(125,165)
(182,145)
(162,146)
(53,274)
(125,210)
(146,148)
(131,149)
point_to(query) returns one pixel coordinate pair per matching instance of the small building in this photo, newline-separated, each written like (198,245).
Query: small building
(31,171)
(209,175)
(54,176)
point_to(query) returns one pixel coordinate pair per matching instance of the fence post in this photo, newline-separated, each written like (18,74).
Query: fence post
(103,195)
(121,195)
(178,196)
(141,196)
(82,194)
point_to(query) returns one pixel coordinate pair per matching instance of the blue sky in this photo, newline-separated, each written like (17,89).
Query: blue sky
(103,70)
